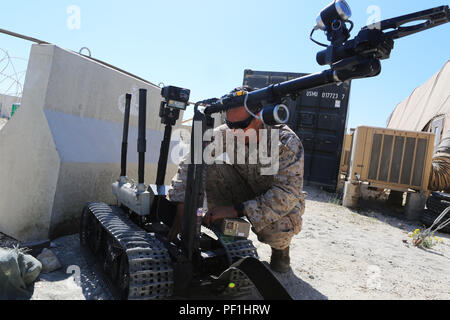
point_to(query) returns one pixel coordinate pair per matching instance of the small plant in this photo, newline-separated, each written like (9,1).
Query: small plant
(424,239)
(336,199)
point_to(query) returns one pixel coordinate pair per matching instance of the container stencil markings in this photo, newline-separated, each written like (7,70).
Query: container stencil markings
(319,117)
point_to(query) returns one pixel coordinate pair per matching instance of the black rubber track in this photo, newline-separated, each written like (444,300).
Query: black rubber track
(437,204)
(441,195)
(428,218)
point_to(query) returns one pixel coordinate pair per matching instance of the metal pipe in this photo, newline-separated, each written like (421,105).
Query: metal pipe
(126,125)
(269,94)
(142,142)
(38,41)
(21,36)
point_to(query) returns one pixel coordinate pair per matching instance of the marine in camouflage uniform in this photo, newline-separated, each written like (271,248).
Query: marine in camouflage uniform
(274,204)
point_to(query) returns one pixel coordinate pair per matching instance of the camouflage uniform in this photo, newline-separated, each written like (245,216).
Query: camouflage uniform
(273,204)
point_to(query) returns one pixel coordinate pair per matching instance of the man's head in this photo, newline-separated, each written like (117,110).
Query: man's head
(239,118)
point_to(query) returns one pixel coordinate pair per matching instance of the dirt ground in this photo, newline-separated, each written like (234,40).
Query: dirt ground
(340,254)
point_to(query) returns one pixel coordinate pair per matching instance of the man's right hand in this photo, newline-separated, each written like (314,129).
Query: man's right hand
(177,224)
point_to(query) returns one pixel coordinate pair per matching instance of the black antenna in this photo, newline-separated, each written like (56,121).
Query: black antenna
(126,125)
(142,142)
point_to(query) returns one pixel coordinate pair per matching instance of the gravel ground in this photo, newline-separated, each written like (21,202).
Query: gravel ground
(7,242)
(340,254)
(76,280)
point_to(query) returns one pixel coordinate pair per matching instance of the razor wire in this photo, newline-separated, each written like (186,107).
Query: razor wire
(11,77)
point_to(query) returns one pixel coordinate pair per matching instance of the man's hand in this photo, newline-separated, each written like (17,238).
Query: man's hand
(177,224)
(219,213)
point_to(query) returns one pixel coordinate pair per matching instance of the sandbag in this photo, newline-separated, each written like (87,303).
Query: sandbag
(17,272)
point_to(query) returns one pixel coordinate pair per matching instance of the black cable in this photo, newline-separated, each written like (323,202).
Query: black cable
(351,25)
(316,42)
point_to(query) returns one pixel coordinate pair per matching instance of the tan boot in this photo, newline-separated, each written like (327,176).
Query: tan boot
(280,261)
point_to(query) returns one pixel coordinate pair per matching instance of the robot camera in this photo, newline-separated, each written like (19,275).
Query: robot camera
(334,13)
(175,97)
(276,114)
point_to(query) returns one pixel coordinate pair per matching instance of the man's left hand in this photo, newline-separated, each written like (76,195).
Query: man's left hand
(219,213)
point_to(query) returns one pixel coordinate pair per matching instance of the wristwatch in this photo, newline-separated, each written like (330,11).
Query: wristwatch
(240,208)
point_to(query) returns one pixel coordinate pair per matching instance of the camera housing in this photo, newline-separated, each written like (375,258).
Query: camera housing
(177,98)
(275,114)
(337,11)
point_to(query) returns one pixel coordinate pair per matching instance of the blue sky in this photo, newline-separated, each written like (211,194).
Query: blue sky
(207,45)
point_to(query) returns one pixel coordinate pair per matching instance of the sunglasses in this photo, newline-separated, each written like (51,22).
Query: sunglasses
(239,124)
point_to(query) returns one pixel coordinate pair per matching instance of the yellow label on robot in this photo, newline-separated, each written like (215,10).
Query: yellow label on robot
(235,228)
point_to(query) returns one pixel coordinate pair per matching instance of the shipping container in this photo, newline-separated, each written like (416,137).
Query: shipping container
(319,117)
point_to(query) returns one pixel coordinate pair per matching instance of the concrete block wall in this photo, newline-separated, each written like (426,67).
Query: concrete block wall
(62,148)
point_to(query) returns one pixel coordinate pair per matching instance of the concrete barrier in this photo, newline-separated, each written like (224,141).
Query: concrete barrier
(62,148)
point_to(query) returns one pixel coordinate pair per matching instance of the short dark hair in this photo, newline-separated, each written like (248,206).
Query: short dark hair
(254,109)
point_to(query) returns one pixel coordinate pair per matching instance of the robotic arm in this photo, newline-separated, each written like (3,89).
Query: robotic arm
(348,59)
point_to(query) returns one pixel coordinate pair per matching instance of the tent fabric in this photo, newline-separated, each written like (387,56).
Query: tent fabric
(17,272)
(426,103)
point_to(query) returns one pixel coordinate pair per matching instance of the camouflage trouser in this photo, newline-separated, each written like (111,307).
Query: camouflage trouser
(226,187)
